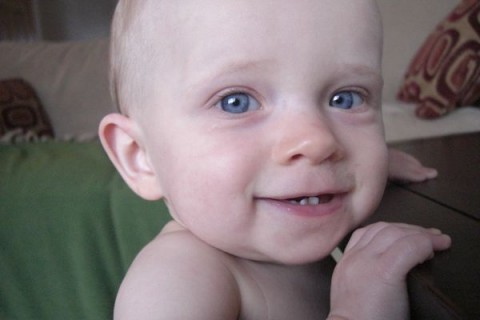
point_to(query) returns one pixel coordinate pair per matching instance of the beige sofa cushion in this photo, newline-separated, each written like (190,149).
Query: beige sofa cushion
(70,78)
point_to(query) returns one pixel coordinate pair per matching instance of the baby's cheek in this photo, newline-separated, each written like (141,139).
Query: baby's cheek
(383,162)
(372,178)
(379,177)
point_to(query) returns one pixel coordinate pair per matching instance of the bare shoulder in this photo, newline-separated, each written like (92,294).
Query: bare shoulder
(177,276)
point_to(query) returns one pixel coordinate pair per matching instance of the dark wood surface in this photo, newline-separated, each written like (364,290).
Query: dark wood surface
(447,287)
(452,279)
(457,158)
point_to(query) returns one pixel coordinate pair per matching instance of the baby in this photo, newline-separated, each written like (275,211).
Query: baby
(259,123)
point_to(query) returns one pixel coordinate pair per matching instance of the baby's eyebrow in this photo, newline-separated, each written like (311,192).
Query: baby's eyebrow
(231,67)
(362,70)
(242,65)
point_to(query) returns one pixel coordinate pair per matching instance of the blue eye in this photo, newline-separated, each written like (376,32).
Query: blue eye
(238,103)
(346,100)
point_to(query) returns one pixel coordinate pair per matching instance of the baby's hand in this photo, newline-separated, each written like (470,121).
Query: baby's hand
(369,282)
(406,168)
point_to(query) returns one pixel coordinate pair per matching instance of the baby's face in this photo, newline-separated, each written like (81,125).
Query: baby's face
(266,132)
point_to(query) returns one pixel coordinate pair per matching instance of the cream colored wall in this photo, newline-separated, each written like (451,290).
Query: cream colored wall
(407,23)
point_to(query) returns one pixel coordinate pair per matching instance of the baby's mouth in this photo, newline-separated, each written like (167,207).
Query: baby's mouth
(311,201)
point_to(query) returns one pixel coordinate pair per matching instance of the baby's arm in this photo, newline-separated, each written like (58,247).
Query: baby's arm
(369,281)
(406,168)
(177,277)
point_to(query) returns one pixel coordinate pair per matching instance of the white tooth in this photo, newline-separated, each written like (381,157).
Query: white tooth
(304,202)
(313,201)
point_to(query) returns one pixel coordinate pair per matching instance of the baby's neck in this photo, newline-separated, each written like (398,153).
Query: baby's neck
(288,292)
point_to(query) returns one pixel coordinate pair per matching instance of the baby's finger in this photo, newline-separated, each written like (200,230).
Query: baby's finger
(386,233)
(410,251)
(403,167)
(363,236)
(418,174)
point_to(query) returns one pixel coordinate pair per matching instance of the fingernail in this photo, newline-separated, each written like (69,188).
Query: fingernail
(432,173)
(448,239)
(435,231)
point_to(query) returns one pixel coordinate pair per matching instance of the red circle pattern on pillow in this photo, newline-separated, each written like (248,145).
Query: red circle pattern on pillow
(445,73)
(20,109)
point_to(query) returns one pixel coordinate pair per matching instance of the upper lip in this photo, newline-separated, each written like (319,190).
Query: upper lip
(299,195)
(304,184)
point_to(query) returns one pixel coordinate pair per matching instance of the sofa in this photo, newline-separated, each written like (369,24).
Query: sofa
(69,226)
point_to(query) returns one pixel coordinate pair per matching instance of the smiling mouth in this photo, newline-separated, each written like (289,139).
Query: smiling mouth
(311,201)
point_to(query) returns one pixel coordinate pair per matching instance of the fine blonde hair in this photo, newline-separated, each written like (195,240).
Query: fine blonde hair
(132,53)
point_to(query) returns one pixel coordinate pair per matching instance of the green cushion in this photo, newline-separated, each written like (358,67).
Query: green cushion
(69,229)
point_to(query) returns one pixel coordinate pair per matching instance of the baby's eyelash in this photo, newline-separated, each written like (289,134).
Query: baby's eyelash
(350,99)
(237,102)
(227,92)
(360,91)
(232,91)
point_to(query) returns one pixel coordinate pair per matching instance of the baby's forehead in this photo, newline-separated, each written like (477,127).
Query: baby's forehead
(188,11)
(166,40)
(172,21)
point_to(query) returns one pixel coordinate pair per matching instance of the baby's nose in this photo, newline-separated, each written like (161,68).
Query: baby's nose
(306,138)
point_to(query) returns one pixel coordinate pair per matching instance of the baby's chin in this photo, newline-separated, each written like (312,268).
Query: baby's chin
(294,255)
(290,258)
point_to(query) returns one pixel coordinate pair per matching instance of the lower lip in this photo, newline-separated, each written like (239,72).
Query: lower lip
(320,210)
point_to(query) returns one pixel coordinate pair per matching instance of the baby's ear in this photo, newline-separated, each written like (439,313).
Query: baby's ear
(120,138)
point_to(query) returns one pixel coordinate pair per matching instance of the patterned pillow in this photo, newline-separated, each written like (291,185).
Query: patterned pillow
(445,73)
(21,112)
